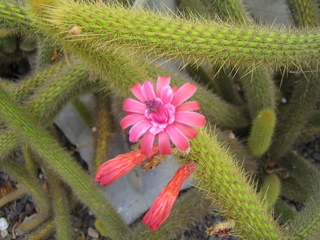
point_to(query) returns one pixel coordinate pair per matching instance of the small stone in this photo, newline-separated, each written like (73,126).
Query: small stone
(3,234)
(93,233)
(3,224)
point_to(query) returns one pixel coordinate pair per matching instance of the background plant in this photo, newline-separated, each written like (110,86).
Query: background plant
(243,71)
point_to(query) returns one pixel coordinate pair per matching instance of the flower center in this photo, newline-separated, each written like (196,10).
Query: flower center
(159,114)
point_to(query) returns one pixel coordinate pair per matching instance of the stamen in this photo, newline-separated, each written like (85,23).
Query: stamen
(153,105)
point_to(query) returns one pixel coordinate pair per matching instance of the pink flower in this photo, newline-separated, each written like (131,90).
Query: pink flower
(161,113)
(119,166)
(161,207)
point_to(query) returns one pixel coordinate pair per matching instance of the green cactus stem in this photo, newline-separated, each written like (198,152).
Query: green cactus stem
(284,211)
(83,112)
(49,99)
(104,128)
(300,107)
(305,13)
(57,159)
(27,87)
(34,188)
(306,224)
(46,104)
(61,207)
(16,194)
(13,16)
(261,132)
(30,163)
(231,10)
(270,189)
(173,37)
(43,232)
(222,180)
(259,90)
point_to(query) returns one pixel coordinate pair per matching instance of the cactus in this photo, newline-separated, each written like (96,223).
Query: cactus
(242,69)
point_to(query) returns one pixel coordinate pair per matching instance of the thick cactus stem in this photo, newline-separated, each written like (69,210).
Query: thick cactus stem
(173,37)
(261,132)
(222,180)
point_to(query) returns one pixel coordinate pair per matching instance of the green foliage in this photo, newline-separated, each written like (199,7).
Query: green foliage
(242,70)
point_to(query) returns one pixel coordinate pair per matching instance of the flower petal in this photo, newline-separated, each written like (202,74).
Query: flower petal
(131,119)
(117,167)
(136,90)
(177,137)
(138,130)
(162,82)
(162,205)
(183,93)
(190,118)
(147,143)
(190,132)
(166,94)
(134,106)
(164,144)
(188,106)
(147,91)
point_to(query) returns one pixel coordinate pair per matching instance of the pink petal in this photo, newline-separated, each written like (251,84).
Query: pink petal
(188,106)
(162,82)
(147,143)
(190,118)
(131,119)
(175,89)
(190,132)
(183,93)
(164,144)
(147,91)
(178,138)
(138,130)
(134,106)
(166,94)
(136,90)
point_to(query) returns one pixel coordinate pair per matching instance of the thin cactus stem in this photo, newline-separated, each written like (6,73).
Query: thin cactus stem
(16,194)
(8,141)
(305,13)
(104,128)
(63,165)
(302,102)
(60,206)
(172,37)
(42,103)
(285,212)
(270,189)
(222,179)
(83,112)
(34,187)
(48,100)
(43,232)
(27,87)
(30,163)
(259,90)
(306,224)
